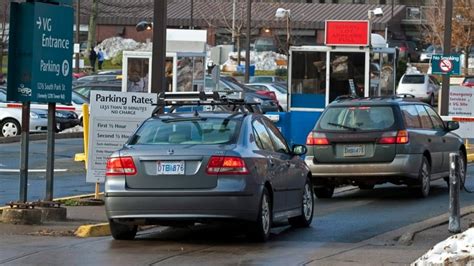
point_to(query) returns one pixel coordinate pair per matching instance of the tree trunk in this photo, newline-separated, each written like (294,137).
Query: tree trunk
(466,60)
(91,40)
(238,50)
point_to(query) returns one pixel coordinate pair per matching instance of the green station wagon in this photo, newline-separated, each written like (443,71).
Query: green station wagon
(370,141)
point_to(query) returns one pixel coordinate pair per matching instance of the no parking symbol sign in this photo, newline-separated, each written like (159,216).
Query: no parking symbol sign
(450,65)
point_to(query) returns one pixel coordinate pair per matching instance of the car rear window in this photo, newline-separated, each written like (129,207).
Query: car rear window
(358,118)
(413,79)
(192,130)
(470,80)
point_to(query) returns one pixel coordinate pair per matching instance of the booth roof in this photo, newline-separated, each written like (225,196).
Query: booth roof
(218,13)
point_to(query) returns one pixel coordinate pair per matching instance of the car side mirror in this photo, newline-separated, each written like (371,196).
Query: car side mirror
(452,125)
(299,149)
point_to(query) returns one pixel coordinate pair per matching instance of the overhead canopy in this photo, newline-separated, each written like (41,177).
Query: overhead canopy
(218,13)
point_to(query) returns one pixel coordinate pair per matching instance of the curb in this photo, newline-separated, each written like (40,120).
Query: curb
(93,230)
(407,238)
(42,136)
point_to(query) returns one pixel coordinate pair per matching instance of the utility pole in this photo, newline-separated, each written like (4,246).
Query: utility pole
(191,19)
(247,46)
(78,32)
(158,77)
(444,108)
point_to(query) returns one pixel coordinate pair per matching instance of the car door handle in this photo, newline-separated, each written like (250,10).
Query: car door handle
(444,140)
(271,162)
(429,140)
(288,163)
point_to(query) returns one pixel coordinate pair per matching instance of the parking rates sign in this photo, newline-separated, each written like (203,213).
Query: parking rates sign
(40,52)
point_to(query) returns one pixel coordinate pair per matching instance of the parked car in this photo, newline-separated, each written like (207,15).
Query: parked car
(279,89)
(426,55)
(10,118)
(422,86)
(468,81)
(266,79)
(117,72)
(231,88)
(65,120)
(372,141)
(96,79)
(85,90)
(407,50)
(182,168)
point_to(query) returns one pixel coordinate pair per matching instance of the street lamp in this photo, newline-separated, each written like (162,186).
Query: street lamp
(144,26)
(285,13)
(371,14)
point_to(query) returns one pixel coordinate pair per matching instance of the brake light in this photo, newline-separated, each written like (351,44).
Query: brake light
(403,48)
(226,165)
(316,139)
(120,166)
(401,137)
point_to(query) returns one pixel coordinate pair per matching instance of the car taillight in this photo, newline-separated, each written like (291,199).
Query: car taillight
(120,166)
(316,139)
(401,137)
(226,165)
(403,49)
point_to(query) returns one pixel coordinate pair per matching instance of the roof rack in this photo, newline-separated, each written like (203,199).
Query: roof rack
(346,97)
(175,100)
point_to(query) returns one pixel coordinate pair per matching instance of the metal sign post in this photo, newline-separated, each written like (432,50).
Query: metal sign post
(50,152)
(454,187)
(25,132)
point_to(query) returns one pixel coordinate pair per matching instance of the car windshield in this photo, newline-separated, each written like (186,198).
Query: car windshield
(413,79)
(469,80)
(189,130)
(78,99)
(280,88)
(261,79)
(3,97)
(358,118)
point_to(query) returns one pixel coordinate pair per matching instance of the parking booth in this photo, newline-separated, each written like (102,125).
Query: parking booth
(319,74)
(185,63)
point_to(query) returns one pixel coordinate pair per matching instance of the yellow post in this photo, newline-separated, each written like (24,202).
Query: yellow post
(85,120)
(85,125)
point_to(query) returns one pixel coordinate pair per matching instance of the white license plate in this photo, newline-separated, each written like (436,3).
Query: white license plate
(354,150)
(170,168)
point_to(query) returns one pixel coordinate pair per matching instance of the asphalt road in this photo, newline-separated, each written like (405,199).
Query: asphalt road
(343,225)
(69,182)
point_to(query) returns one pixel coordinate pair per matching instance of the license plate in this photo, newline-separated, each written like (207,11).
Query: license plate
(170,168)
(354,150)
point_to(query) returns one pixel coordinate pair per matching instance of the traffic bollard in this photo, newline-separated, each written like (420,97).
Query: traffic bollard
(454,219)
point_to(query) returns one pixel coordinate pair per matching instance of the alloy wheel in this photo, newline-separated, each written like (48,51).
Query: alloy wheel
(425,178)
(265,214)
(307,202)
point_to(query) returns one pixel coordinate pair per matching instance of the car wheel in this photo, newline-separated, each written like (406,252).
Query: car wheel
(424,178)
(325,192)
(260,229)
(10,128)
(366,186)
(307,208)
(122,231)
(432,100)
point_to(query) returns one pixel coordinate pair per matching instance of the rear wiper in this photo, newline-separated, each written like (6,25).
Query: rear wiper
(183,119)
(343,126)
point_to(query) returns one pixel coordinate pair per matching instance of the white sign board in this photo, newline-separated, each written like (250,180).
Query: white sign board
(461,101)
(114,116)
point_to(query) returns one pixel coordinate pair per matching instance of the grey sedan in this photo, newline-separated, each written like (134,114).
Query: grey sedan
(190,167)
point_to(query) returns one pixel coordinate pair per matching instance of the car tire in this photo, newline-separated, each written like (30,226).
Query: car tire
(260,229)
(122,231)
(366,186)
(424,179)
(10,128)
(324,192)
(307,208)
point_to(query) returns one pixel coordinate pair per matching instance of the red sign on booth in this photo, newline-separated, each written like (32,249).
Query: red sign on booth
(347,32)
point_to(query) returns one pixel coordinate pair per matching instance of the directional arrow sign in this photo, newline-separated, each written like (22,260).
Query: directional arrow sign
(38,22)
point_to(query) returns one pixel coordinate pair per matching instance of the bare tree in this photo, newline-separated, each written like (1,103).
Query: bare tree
(462,36)
(5,6)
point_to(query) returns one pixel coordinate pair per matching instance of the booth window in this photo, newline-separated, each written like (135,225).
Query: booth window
(347,74)
(308,73)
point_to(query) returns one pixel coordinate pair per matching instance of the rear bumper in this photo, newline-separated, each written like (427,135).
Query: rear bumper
(405,166)
(189,208)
